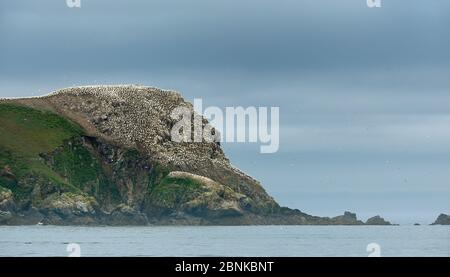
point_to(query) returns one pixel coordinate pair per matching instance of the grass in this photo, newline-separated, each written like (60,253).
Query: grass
(173,190)
(24,134)
(77,164)
(29,132)
(83,170)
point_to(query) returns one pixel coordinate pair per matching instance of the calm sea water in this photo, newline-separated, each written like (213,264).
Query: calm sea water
(226,241)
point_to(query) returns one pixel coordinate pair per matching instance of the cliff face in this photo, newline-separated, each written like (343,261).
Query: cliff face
(104,155)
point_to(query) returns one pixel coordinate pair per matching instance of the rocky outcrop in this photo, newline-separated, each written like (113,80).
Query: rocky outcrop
(107,158)
(347,219)
(377,220)
(6,205)
(124,214)
(442,219)
(6,198)
(197,195)
(69,208)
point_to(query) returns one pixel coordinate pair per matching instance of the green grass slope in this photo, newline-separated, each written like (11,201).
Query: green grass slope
(25,133)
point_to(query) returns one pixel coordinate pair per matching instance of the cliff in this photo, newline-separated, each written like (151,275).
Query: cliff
(104,155)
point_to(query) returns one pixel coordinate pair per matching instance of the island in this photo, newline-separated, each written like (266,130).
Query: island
(442,219)
(103,155)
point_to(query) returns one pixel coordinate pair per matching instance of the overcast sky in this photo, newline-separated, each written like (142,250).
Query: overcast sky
(364,94)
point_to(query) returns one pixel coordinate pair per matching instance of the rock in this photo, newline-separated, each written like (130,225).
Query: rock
(28,217)
(377,220)
(212,199)
(6,200)
(443,219)
(5,195)
(70,205)
(348,218)
(5,216)
(126,215)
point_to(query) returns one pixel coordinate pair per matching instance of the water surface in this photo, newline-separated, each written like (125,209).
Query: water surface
(226,241)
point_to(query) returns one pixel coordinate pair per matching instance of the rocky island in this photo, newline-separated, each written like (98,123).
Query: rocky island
(103,155)
(442,219)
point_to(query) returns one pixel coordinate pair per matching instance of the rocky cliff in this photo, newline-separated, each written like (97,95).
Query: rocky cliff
(104,155)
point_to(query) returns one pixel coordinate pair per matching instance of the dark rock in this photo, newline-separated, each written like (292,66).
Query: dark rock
(443,219)
(126,215)
(377,220)
(347,219)
(27,217)
(5,216)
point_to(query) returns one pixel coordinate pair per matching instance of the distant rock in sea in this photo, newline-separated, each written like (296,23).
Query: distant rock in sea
(443,219)
(377,220)
(348,218)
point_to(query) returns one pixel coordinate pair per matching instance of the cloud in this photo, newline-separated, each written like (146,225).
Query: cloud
(394,134)
(251,35)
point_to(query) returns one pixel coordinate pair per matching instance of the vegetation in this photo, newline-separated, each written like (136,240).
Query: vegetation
(25,134)
(77,165)
(173,190)
(30,131)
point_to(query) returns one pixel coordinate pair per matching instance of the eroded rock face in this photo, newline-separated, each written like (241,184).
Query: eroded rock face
(124,214)
(204,198)
(6,198)
(69,208)
(443,219)
(6,204)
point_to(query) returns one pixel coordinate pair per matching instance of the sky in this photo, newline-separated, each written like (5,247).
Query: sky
(364,93)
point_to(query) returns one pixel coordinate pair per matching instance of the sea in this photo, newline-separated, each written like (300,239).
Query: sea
(226,241)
